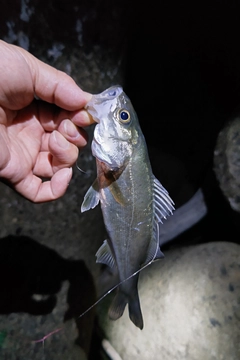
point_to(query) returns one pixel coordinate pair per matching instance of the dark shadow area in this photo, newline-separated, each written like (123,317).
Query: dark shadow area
(29,268)
(72,24)
(220,224)
(183,78)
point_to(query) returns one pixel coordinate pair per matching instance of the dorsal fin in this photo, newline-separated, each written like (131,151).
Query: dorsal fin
(162,203)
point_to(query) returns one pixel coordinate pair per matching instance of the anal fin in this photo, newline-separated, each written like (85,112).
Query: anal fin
(104,255)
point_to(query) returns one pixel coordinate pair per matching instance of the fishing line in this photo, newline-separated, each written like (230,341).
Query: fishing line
(97,302)
(81,170)
(107,293)
(121,282)
(114,287)
(48,335)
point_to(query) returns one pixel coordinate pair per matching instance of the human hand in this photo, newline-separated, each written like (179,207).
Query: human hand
(38,138)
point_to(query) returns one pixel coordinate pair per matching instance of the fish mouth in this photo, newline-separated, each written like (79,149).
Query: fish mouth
(95,106)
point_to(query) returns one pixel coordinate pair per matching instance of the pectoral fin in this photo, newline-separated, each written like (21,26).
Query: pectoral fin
(91,198)
(104,255)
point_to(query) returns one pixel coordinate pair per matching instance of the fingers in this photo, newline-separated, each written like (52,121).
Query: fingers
(60,148)
(81,118)
(50,116)
(60,153)
(63,152)
(55,163)
(37,191)
(72,133)
(36,78)
(55,86)
(55,188)
(5,153)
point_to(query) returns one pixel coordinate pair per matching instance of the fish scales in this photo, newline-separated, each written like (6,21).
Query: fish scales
(132,215)
(133,201)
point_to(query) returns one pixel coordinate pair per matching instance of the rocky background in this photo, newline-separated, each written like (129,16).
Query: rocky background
(179,62)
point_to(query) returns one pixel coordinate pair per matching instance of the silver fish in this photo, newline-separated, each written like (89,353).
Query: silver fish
(133,201)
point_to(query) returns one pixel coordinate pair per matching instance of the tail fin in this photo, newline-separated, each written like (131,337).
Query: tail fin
(118,305)
(135,312)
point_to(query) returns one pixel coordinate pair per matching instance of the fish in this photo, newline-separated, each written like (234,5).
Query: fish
(133,201)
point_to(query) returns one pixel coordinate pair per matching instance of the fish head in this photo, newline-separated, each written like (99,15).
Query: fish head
(116,131)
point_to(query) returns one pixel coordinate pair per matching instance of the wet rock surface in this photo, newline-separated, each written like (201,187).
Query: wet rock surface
(49,259)
(190,305)
(49,272)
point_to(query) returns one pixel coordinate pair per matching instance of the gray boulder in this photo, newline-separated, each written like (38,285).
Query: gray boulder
(227,162)
(190,304)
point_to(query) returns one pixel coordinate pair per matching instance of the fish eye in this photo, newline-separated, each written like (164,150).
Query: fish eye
(124,116)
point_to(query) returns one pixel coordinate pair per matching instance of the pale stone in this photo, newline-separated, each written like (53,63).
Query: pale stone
(227,162)
(191,307)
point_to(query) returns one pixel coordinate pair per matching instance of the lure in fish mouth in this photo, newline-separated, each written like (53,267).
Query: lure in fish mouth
(133,202)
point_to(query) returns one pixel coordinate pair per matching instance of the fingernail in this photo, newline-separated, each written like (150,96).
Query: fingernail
(60,140)
(88,95)
(69,175)
(82,118)
(70,129)
(87,118)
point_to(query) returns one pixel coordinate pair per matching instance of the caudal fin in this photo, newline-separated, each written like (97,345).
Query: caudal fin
(135,312)
(118,305)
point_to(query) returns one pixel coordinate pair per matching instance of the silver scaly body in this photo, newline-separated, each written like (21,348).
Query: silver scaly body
(133,201)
